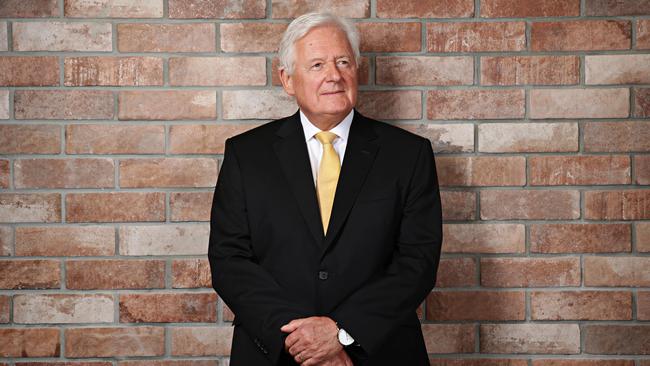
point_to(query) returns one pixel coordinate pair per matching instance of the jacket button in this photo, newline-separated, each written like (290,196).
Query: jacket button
(322,275)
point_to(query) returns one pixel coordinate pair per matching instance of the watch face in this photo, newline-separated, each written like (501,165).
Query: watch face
(345,338)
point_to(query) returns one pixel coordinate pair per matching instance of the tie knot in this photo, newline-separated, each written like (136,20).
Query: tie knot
(326,137)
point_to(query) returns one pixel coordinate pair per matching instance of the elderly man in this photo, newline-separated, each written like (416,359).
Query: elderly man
(326,225)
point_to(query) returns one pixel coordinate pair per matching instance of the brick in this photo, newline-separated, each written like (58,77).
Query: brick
(190,206)
(345,8)
(60,308)
(529,8)
(579,103)
(530,272)
(29,342)
(528,137)
(140,37)
(114,139)
(168,308)
(65,241)
(29,71)
(476,37)
(424,70)
(30,139)
(204,139)
(29,8)
(643,34)
(445,138)
(113,71)
(616,7)
(4,103)
(167,105)
(251,37)
(64,173)
(114,342)
(257,104)
(115,207)
(201,341)
(5,304)
(4,174)
(62,36)
(170,363)
(581,35)
(115,274)
(481,171)
(456,272)
(458,205)
(168,172)
(484,238)
(29,274)
(217,9)
(182,239)
(642,102)
(425,9)
(390,37)
(30,207)
(449,338)
(617,69)
(617,271)
(229,316)
(461,305)
(475,104)
(114,9)
(6,240)
(477,362)
(581,305)
(580,238)
(617,339)
(617,136)
(61,363)
(530,338)
(617,205)
(3,36)
(579,170)
(643,305)
(584,362)
(391,104)
(217,71)
(643,236)
(530,205)
(191,273)
(63,104)
(530,70)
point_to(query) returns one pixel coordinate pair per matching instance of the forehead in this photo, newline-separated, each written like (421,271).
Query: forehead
(323,41)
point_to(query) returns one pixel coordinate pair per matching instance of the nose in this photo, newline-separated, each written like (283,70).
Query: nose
(333,73)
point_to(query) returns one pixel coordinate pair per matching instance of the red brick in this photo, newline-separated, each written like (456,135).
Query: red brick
(4,174)
(29,71)
(217,71)
(29,274)
(458,205)
(182,239)
(580,103)
(424,70)
(5,304)
(114,342)
(616,7)
(6,240)
(65,241)
(115,274)
(63,104)
(461,305)
(525,70)
(64,36)
(530,272)
(113,71)
(643,34)
(581,305)
(204,139)
(530,338)
(456,272)
(481,171)
(477,362)
(617,339)
(390,37)
(617,271)
(617,136)
(191,273)
(168,308)
(190,206)
(170,363)
(449,338)
(530,205)
(29,342)
(251,37)
(229,316)
(643,305)
(529,8)
(114,9)
(580,238)
(643,236)
(168,172)
(345,8)
(445,137)
(581,35)
(391,104)
(528,137)
(617,69)
(114,139)
(585,362)
(29,8)
(484,238)
(257,104)
(425,9)
(64,173)
(642,102)
(475,104)
(617,205)
(217,9)
(579,170)
(115,207)
(140,37)
(476,37)
(201,341)
(30,207)
(63,308)
(167,105)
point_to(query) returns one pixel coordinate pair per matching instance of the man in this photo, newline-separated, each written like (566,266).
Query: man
(326,225)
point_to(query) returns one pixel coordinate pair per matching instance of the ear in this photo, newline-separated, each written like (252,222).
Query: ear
(287,82)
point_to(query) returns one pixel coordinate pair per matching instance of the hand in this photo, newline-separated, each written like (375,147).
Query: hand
(340,359)
(313,340)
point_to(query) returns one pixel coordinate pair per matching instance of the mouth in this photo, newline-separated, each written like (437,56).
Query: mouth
(333,92)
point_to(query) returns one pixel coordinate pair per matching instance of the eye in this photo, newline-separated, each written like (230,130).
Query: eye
(317,66)
(343,62)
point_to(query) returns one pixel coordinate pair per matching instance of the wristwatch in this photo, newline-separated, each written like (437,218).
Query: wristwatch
(344,338)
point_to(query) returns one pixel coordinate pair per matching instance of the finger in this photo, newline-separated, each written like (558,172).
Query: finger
(291,340)
(292,325)
(297,348)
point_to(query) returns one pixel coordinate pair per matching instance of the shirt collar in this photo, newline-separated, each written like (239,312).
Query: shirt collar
(342,130)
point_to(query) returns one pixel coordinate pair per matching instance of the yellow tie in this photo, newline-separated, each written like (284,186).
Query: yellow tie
(328,176)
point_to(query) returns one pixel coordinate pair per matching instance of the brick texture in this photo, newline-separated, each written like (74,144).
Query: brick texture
(581,305)
(530,338)
(73,104)
(115,207)
(458,306)
(475,104)
(29,71)
(580,238)
(59,308)
(580,103)
(530,272)
(168,308)
(529,8)
(221,9)
(523,70)
(579,170)
(195,37)
(104,342)
(486,238)
(113,71)
(617,339)
(115,274)
(581,35)
(620,136)
(65,241)
(528,137)
(425,9)
(476,37)
(114,9)
(29,9)
(62,36)
(201,341)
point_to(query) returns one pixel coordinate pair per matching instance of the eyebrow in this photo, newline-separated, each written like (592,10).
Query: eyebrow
(321,58)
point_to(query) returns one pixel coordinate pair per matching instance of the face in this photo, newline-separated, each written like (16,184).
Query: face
(324,79)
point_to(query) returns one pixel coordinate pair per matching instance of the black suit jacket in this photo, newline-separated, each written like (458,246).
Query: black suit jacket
(271,262)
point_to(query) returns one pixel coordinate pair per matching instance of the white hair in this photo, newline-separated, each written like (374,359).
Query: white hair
(300,26)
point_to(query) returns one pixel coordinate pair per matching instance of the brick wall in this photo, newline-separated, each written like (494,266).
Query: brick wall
(113,120)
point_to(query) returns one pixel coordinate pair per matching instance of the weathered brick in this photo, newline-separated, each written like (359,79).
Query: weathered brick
(114,342)
(530,205)
(524,70)
(456,272)
(188,239)
(115,207)
(65,241)
(6,240)
(4,174)
(530,338)
(529,8)
(449,338)
(62,36)
(168,172)
(29,8)
(617,271)
(477,362)
(257,104)
(140,37)
(168,308)
(114,274)
(579,170)
(191,273)
(476,37)
(201,341)
(4,103)
(391,104)
(29,342)
(530,272)
(643,305)
(642,102)
(190,206)
(63,308)
(30,139)
(390,37)
(458,205)
(475,104)
(461,305)
(583,362)
(424,70)
(167,105)
(64,173)
(29,274)
(643,236)
(114,139)
(616,7)
(30,207)
(203,139)
(528,137)
(445,138)
(63,104)
(29,71)
(113,71)
(425,9)
(217,9)
(617,205)
(217,71)
(617,69)
(617,136)
(114,9)
(580,103)
(251,37)
(580,238)
(581,35)
(5,305)
(643,34)
(617,339)
(484,238)
(481,171)
(345,8)
(581,305)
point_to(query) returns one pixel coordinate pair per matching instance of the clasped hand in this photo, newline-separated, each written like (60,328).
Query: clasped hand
(313,341)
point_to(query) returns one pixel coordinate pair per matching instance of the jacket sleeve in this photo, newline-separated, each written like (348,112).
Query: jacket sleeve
(247,288)
(379,306)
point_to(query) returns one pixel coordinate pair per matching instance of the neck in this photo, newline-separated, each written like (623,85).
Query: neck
(325,122)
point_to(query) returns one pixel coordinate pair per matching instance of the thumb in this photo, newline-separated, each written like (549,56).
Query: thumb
(292,325)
